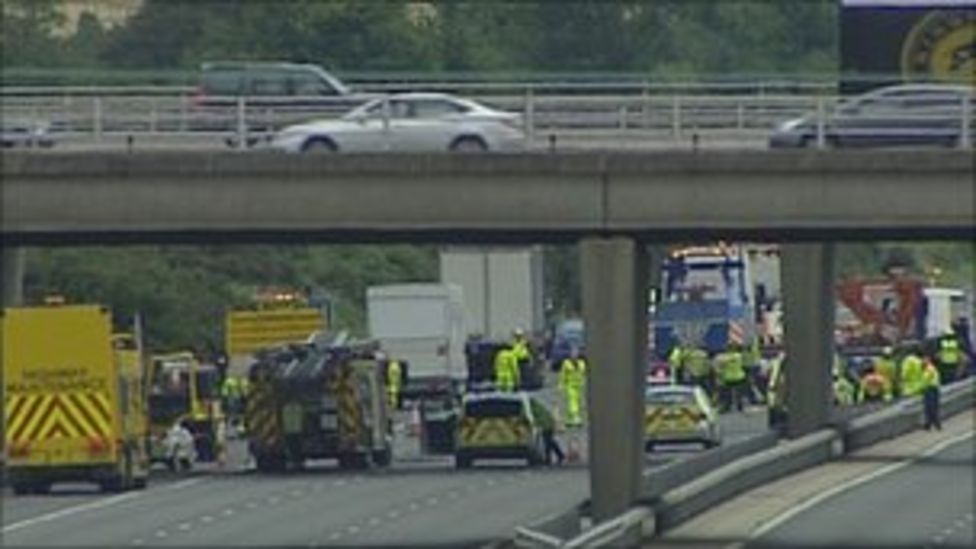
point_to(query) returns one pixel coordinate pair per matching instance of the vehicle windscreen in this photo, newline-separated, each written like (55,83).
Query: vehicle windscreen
(207,383)
(493,408)
(669,398)
(166,408)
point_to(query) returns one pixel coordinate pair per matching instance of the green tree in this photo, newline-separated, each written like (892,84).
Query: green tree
(28,33)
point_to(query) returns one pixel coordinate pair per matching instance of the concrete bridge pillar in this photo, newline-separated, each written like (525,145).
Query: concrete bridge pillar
(13,275)
(808,316)
(614,287)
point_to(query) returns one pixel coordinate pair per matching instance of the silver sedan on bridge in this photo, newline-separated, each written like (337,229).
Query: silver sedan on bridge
(409,122)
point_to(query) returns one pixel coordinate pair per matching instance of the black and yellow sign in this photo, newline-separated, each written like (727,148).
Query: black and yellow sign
(885,42)
(248,331)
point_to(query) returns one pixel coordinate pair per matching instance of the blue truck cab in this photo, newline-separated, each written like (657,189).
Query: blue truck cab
(706,300)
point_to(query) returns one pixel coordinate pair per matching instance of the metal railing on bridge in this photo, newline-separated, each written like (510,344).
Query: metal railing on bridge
(618,120)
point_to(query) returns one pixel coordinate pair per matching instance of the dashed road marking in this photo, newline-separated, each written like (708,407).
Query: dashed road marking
(335,535)
(340,482)
(161,533)
(297,493)
(251,505)
(138,541)
(206,519)
(273,500)
(413,506)
(353,529)
(184,527)
(227,512)
(393,514)
(431,501)
(374,521)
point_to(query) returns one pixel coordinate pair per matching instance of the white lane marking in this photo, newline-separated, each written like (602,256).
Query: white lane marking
(335,535)
(938,540)
(353,529)
(227,512)
(138,541)
(849,485)
(393,514)
(969,516)
(184,527)
(206,519)
(297,493)
(960,523)
(161,533)
(431,501)
(374,521)
(273,500)
(61,513)
(251,505)
(340,482)
(413,506)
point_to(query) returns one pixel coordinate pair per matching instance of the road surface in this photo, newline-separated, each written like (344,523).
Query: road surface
(929,503)
(421,501)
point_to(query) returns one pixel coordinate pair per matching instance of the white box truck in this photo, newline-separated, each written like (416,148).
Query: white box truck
(502,287)
(423,325)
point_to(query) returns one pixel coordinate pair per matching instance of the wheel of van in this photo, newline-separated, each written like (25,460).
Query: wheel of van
(140,483)
(319,145)
(383,458)
(469,144)
(22,488)
(114,484)
(462,462)
(353,461)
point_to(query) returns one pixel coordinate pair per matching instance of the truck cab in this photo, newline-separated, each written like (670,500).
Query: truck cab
(706,300)
(179,388)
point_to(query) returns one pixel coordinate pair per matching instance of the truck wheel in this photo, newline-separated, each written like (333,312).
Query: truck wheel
(462,462)
(270,463)
(353,461)
(23,488)
(140,483)
(383,458)
(114,484)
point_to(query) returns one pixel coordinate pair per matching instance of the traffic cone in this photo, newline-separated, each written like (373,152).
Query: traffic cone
(414,426)
(572,449)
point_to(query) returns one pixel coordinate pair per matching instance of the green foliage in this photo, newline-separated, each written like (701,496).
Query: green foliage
(661,37)
(182,292)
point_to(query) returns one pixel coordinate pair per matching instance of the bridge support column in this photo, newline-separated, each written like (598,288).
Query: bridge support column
(614,288)
(13,275)
(808,316)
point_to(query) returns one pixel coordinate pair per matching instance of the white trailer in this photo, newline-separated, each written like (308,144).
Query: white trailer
(423,325)
(503,288)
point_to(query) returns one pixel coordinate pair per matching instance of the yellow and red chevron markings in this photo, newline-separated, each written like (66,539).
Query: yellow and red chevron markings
(41,417)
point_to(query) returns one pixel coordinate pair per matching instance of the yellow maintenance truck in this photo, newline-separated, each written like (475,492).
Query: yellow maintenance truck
(70,413)
(180,389)
(316,401)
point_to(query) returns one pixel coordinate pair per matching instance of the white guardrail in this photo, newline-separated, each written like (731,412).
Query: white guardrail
(546,117)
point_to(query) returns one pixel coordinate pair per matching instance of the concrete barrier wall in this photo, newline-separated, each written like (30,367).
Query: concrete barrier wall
(682,490)
(660,480)
(905,416)
(688,500)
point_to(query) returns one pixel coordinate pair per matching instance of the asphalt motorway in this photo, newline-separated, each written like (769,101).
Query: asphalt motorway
(421,501)
(929,503)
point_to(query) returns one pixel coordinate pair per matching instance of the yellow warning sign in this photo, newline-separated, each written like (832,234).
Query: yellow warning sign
(248,331)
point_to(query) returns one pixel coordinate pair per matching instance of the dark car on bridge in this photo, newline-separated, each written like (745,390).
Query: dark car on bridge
(274,94)
(908,115)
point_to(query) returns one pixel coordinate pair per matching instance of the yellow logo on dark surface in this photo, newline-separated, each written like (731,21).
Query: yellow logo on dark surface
(941,46)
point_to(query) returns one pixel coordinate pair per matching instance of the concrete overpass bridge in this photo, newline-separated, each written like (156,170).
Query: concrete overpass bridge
(614,205)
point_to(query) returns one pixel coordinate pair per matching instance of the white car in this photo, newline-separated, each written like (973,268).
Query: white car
(409,122)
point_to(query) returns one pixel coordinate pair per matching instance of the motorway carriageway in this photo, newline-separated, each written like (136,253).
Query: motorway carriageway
(422,501)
